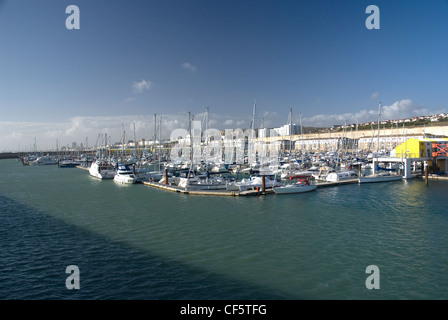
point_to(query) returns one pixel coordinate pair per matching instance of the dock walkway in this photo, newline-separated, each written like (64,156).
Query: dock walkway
(267,191)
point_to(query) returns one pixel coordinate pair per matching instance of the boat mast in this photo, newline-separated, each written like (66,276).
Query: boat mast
(290,131)
(154,138)
(191,144)
(251,150)
(301,142)
(206,138)
(135,143)
(122,147)
(379,118)
(159,142)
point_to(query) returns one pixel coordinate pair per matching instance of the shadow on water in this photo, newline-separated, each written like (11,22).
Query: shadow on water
(35,250)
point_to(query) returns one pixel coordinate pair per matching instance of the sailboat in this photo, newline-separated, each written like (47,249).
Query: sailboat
(300,186)
(191,180)
(124,174)
(383,176)
(101,169)
(380,177)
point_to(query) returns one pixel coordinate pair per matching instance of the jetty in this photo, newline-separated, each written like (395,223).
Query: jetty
(223,192)
(254,192)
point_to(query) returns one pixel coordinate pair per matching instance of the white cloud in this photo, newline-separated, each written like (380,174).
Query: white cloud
(19,136)
(268,114)
(188,66)
(138,87)
(374,95)
(240,124)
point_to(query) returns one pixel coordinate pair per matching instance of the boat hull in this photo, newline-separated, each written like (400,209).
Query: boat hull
(375,179)
(100,172)
(125,179)
(292,189)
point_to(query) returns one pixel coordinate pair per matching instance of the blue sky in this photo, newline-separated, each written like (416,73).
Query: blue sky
(133,59)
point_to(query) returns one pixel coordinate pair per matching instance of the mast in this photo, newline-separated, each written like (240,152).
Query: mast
(159,143)
(290,131)
(191,144)
(253,117)
(206,138)
(155,128)
(301,142)
(122,147)
(251,148)
(135,142)
(379,120)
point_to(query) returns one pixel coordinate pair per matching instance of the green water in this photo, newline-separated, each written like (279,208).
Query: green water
(307,246)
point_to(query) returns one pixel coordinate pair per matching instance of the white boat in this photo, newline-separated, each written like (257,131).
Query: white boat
(308,174)
(69,163)
(102,170)
(44,161)
(191,181)
(380,177)
(125,175)
(302,185)
(253,183)
(323,172)
(341,175)
(154,176)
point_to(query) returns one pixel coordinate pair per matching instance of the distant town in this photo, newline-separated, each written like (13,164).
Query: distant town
(414,121)
(293,130)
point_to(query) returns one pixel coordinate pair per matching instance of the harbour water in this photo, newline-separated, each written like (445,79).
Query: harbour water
(139,242)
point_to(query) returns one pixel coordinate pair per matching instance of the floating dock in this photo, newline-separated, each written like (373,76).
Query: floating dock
(222,192)
(225,192)
(253,192)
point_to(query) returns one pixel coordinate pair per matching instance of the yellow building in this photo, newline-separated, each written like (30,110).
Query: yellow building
(417,148)
(433,151)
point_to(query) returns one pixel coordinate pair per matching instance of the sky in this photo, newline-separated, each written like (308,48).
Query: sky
(131,60)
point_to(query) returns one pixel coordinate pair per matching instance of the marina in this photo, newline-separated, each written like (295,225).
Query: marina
(215,157)
(247,217)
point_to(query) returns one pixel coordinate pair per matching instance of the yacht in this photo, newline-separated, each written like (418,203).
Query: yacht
(300,186)
(125,175)
(341,175)
(69,163)
(192,181)
(253,182)
(43,161)
(102,170)
(380,177)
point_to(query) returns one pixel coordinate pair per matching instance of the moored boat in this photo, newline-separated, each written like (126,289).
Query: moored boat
(341,175)
(302,185)
(69,163)
(253,182)
(44,161)
(192,181)
(124,175)
(102,170)
(380,177)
